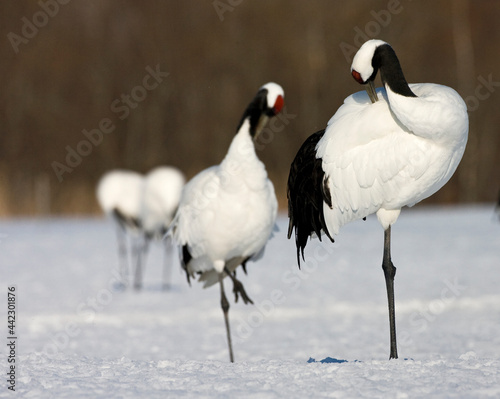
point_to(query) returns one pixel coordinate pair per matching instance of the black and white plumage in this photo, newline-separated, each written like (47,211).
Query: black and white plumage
(119,194)
(227,212)
(159,201)
(306,192)
(382,150)
(143,208)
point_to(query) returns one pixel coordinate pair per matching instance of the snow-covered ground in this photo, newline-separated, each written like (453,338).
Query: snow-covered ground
(318,332)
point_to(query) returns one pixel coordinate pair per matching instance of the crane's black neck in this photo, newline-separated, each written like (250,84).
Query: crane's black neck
(387,62)
(254,112)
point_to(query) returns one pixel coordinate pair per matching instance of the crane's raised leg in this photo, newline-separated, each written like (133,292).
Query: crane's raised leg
(389,273)
(225,309)
(238,288)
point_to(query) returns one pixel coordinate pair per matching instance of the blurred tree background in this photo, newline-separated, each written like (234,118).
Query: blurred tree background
(69,66)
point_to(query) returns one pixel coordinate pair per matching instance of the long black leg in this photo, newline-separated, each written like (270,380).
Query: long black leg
(225,309)
(389,273)
(122,256)
(141,257)
(166,265)
(238,288)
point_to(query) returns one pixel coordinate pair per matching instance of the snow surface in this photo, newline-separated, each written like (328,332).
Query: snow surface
(318,332)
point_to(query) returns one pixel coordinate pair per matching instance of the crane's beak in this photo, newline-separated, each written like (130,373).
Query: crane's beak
(260,126)
(370,89)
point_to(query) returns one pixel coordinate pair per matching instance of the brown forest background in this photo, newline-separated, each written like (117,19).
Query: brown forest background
(67,74)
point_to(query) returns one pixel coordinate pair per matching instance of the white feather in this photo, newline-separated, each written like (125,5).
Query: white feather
(392,153)
(122,190)
(160,198)
(227,211)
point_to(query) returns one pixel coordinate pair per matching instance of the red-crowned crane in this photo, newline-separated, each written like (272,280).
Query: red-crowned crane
(119,193)
(227,212)
(379,152)
(160,198)
(143,206)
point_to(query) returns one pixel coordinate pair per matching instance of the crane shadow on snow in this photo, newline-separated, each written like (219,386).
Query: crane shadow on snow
(328,360)
(338,361)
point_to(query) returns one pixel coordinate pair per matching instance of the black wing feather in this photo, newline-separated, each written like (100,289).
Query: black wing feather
(307,190)
(185,259)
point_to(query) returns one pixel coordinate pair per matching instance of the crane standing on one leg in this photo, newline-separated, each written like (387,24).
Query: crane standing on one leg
(379,152)
(227,212)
